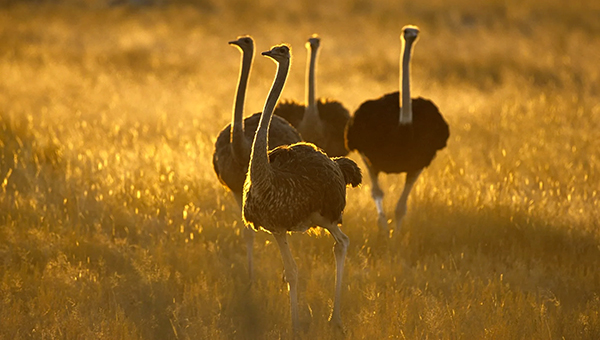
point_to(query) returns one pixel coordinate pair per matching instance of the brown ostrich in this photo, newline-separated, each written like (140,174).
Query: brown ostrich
(397,134)
(322,121)
(232,149)
(294,188)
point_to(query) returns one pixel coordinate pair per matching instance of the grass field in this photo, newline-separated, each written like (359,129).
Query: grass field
(113,224)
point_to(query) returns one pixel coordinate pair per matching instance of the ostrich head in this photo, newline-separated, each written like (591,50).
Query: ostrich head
(245,43)
(313,42)
(279,53)
(410,33)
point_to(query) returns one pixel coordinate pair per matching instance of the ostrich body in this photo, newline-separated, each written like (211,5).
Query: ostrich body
(294,188)
(396,134)
(322,121)
(232,148)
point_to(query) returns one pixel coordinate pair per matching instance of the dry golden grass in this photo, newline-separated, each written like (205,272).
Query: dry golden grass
(114,226)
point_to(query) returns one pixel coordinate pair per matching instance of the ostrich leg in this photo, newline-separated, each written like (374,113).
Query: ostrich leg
(248,234)
(340,249)
(377,195)
(411,179)
(249,238)
(291,275)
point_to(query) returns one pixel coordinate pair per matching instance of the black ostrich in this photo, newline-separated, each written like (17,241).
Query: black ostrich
(320,122)
(232,150)
(294,188)
(395,135)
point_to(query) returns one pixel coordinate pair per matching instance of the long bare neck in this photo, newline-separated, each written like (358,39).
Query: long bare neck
(259,159)
(406,116)
(311,114)
(241,149)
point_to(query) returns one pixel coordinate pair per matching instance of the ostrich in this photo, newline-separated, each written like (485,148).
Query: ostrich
(232,150)
(294,188)
(397,134)
(320,122)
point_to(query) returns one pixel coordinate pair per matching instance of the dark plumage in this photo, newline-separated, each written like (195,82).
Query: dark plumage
(321,123)
(296,187)
(395,139)
(304,181)
(393,148)
(230,170)
(332,115)
(232,149)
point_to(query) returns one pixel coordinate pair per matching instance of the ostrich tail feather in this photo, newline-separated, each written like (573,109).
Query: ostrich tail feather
(351,171)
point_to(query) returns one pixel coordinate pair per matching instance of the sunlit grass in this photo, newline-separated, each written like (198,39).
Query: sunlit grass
(114,226)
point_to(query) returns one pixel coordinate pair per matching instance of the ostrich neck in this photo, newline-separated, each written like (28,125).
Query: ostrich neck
(406,115)
(311,114)
(259,159)
(241,148)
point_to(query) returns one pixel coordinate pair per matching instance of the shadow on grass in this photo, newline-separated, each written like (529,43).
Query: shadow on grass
(532,253)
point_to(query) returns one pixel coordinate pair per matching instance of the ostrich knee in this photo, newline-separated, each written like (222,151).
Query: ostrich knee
(376,192)
(377,195)
(341,246)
